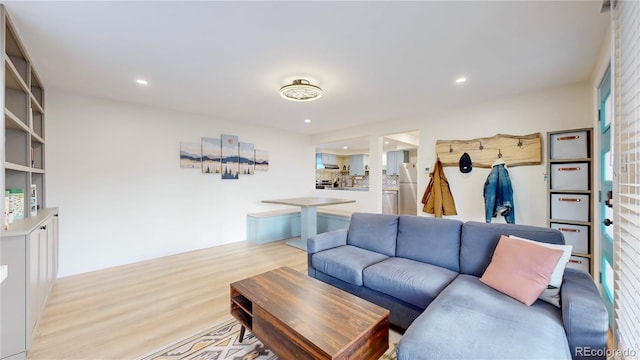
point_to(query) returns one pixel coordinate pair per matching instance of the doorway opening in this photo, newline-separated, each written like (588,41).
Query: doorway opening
(399,173)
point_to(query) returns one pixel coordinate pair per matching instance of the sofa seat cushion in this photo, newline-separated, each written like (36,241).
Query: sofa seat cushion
(470,320)
(412,281)
(345,262)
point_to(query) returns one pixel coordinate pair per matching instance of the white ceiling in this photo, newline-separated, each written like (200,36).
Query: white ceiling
(391,142)
(376,61)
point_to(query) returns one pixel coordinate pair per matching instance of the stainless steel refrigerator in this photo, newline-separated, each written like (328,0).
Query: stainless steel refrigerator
(408,189)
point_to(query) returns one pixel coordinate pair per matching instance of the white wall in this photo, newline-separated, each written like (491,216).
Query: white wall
(552,109)
(113,169)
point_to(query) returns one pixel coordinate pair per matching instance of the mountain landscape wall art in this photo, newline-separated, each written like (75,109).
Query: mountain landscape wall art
(230,160)
(246,159)
(262,160)
(190,155)
(223,155)
(211,156)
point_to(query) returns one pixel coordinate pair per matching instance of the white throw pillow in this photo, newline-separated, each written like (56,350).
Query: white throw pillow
(552,293)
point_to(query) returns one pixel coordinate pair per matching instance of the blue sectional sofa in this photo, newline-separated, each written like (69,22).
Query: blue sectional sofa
(427,271)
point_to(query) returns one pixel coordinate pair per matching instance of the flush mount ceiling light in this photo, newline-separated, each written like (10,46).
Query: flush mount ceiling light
(300,90)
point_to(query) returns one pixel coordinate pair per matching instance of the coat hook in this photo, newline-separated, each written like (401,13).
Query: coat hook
(519,142)
(499,153)
(450,148)
(481,147)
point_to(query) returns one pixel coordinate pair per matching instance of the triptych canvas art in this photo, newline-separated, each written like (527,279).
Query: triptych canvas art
(225,156)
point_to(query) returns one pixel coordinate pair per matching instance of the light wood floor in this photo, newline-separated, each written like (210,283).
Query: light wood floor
(128,311)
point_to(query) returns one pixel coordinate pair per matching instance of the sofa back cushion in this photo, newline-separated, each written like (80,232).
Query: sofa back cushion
(375,232)
(478,242)
(430,240)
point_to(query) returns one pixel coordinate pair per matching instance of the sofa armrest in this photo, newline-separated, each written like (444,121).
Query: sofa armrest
(321,242)
(326,241)
(585,317)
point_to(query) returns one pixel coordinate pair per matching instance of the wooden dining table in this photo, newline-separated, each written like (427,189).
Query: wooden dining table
(308,215)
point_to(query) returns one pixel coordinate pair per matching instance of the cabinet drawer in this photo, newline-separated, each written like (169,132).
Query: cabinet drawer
(580,263)
(574,207)
(570,176)
(575,235)
(571,145)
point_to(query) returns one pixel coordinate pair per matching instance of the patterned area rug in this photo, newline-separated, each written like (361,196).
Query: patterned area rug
(220,342)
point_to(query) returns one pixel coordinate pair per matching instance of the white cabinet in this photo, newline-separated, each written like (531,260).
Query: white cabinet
(42,255)
(395,159)
(329,158)
(325,158)
(358,164)
(29,247)
(31,251)
(570,192)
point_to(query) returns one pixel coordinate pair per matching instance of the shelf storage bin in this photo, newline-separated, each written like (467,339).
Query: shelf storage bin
(570,145)
(575,235)
(579,262)
(570,176)
(572,207)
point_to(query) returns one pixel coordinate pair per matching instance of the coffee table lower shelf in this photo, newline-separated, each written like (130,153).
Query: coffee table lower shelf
(299,318)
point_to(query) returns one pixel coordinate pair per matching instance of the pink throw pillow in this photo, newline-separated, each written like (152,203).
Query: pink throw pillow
(521,269)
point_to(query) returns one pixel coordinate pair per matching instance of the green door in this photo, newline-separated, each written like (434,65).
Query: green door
(606,225)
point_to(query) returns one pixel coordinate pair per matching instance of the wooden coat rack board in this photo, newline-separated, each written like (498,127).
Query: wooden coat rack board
(515,150)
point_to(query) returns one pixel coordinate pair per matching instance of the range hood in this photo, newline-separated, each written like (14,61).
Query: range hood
(331,166)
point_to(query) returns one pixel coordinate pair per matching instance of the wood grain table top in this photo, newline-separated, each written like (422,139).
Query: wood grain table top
(320,314)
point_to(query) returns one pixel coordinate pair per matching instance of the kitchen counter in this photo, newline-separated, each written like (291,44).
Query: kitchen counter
(348,188)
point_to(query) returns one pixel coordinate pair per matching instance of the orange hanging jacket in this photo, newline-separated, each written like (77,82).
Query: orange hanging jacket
(437,198)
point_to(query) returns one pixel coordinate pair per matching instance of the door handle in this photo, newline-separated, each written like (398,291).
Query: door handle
(565,138)
(607,222)
(569,169)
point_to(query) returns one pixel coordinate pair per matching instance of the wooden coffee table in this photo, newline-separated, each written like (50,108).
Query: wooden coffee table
(298,317)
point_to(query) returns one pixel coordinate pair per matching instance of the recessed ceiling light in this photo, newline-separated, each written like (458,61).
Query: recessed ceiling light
(386,143)
(142,82)
(461,80)
(345,147)
(307,121)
